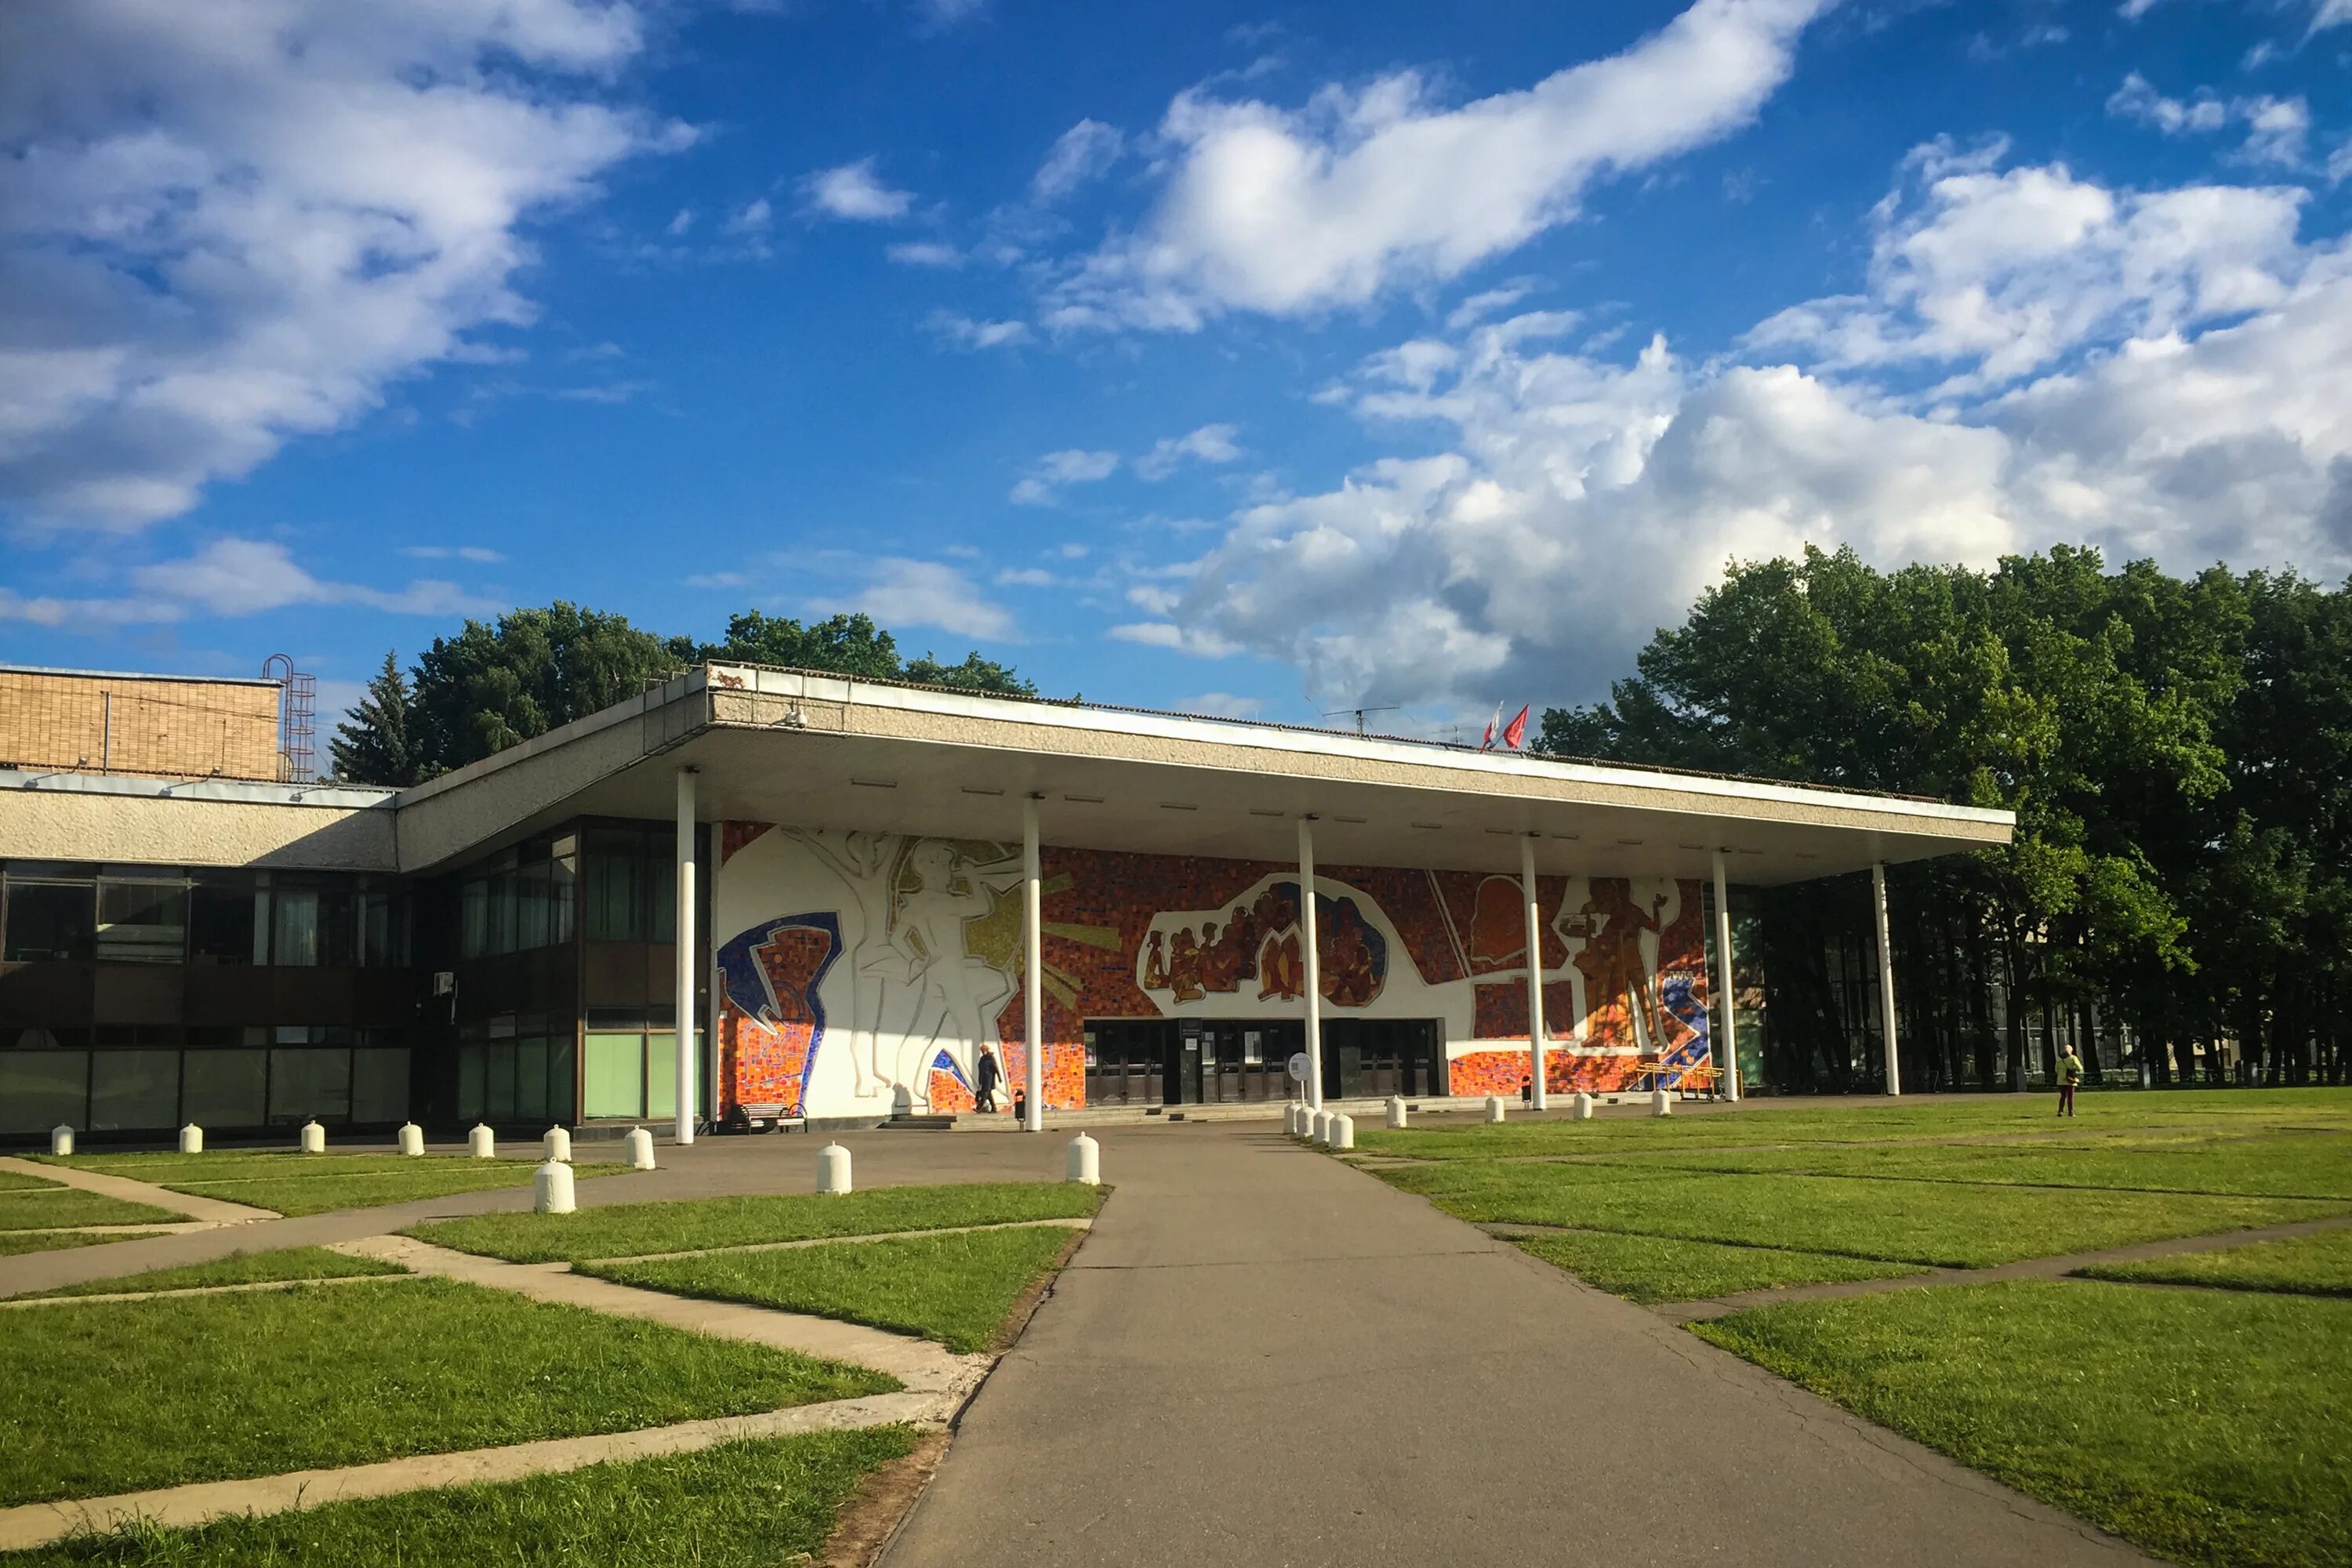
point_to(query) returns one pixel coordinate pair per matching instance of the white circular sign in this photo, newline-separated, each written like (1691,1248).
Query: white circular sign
(1298,1067)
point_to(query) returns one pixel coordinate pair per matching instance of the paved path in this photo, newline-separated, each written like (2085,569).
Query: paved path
(1262,1356)
(212,1211)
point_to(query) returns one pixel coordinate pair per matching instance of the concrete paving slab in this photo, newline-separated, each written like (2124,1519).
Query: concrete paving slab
(1263,1356)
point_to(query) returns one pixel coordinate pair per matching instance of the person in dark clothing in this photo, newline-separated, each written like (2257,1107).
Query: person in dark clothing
(990,1074)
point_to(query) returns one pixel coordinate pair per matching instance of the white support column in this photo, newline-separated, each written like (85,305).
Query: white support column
(1886,978)
(1032,1000)
(686,959)
(1727,1060)
(1314,966)
(1537,1045)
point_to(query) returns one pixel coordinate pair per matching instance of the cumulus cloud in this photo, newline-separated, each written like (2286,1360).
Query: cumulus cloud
(479,554)
(2278,130)
(904,593)
(924,253)
(1209,444)
(855,193)
(1051,473)
(964,333)
(225,226)
(232,577)
(2160,373)
(1082,153)
(1291,211)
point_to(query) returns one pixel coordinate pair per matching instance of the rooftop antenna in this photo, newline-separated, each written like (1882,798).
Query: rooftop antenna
(1359,712)
(297,716)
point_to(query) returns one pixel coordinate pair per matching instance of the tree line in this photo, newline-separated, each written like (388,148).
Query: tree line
(2177,752)
(500,682)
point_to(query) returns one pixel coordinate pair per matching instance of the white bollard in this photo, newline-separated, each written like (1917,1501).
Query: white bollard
(61,1140)
(550,1189)
(641,1149)
(1343,1131)
(1495,1111)
(1396,1110)
(833,1169)
(1294,1119)
(481,1142)
(192,1139)
(1584,1106)
(1086,1161)
(557,1144)
(1661,1104)
(1322,1128)
(314,1138)
(412,1139)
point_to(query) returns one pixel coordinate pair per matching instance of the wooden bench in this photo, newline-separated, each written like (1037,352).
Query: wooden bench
(763,1119)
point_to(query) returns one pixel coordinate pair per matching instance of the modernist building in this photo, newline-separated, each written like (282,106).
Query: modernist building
(845,890)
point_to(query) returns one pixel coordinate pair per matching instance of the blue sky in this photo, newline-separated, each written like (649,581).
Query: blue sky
(1266,360)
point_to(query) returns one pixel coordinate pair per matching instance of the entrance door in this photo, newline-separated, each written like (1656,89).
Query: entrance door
(1371,1059)
(1244,1059)
(1128,1060)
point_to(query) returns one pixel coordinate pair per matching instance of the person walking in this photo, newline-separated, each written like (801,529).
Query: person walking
(990,1074)
(2070,1073)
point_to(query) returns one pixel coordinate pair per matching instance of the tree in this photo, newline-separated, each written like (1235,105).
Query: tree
(842,644)
(496,684)
(372,746)
(974,674)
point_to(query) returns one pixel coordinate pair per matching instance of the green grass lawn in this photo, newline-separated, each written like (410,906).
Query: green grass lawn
(2188,1111)
(295,1184)
(13,1243)
(741,1505)
(1914,1222)
(956,1289)
(40,1208)
(2316,1265)
(15,1181)
(2206,1427)
(290,1263)
(1651,1270)
(209,1387)
(634,1230)
(2271,1164)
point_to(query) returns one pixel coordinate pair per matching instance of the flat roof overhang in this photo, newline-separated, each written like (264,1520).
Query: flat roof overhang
(823,751)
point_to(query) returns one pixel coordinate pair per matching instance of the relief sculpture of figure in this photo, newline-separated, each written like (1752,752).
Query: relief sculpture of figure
(1345,970)
(1155,967)
(1281,972)
(1613,959)
(857,859)
(934,991)
(1184,965)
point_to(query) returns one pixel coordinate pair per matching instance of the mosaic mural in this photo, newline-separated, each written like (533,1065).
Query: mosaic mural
(857,970)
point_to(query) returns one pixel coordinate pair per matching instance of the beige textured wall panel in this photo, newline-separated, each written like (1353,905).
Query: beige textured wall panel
(127,724)
(36,825)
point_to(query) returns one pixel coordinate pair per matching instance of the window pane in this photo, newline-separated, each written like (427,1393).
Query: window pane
(339,930)
(661,875)
(530,916)
(311,1083)
(379,1084)
(530,1082)
(134,1089)
(41,1089)
(474,919)
(561,879)
(472,1073)
(50,920)
(613,1076)
(612,887)
(498,1099)
(220,923)
(561,1070)
(142,922)
(297,939)
(226,1088)
(661,1076)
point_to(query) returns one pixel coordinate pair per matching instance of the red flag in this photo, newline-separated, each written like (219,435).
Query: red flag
(1486,741)
(1516,729)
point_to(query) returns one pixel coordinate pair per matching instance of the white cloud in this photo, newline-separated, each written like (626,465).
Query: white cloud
(1050,473)
(223,227)
(479,554)
(717,579)
(2002,273)
(2163,374)
(2278,130)
(1295,211)
(904,593)
(754,218)
(924,253)
(1220,705)
(855,193)
(966,333)
(1082,153)
(679,225)
(247,576)
(1209,444)
(1026,577)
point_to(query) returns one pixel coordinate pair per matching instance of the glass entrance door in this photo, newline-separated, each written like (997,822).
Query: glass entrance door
(1128,1060)
(1245,1059)
(1371,1059)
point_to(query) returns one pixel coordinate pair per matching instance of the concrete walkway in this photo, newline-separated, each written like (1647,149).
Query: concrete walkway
(210,1211)
(1263,1356)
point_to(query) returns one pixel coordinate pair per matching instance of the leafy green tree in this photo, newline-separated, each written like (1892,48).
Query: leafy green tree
(842,644)
(974,674)
(373,746)
(498,683)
